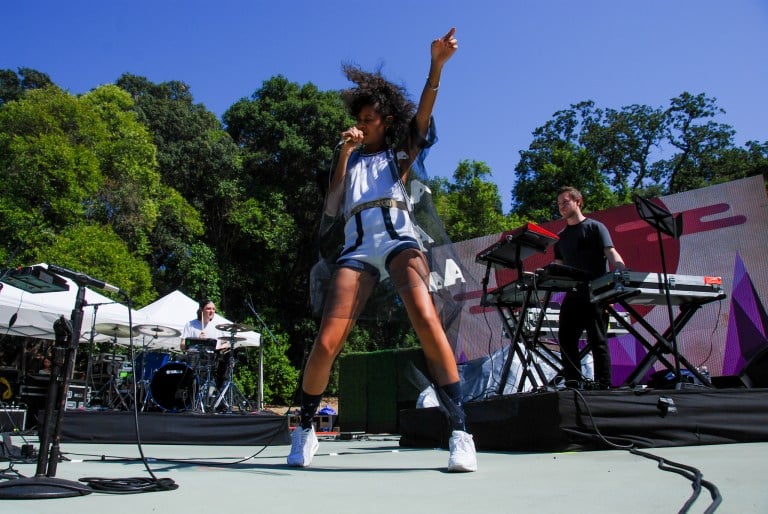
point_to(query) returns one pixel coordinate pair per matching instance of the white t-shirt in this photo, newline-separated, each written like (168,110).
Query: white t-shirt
(194,329)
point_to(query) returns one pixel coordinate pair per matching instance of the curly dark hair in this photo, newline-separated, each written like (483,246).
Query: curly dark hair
(388,99)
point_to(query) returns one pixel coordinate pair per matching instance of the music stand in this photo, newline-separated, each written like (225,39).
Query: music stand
(664,222)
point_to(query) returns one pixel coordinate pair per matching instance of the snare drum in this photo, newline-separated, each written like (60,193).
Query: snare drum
(173,387)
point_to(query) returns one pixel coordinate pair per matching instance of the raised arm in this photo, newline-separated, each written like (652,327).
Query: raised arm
(441,50)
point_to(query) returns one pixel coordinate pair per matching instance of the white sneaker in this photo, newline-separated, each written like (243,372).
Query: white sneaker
(463,455)
(304,445)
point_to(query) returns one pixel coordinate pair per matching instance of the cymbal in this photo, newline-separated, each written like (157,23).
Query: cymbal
(114,330)
(228,339)
(233,327)
(157,331)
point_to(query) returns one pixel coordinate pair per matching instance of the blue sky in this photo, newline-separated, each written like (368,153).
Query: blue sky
(519,61)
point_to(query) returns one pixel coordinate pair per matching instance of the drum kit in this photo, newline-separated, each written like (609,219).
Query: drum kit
(168,381)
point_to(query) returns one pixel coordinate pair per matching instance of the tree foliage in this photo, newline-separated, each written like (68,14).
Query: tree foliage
(13,84)
(82,160)
(285,132)
(201,163)
(106,255)
(610,154)
(470,206)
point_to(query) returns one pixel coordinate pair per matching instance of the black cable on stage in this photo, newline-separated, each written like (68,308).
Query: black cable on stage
(691,473)
(132,485)
(711,338)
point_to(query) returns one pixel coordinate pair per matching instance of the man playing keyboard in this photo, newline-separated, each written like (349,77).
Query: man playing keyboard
(584,244)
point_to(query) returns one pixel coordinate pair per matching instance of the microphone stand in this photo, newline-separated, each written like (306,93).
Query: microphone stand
(260,396)
(44,484)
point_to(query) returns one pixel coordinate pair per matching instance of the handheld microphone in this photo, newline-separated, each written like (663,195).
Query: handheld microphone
(85,280)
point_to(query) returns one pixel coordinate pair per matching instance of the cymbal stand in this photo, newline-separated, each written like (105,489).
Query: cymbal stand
(230,392)
(92,344)
(143,385)
(124,387)
(260,393)
(110,387)
(206,381)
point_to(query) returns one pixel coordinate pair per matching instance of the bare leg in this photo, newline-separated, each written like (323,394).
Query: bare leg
(410,274)
(348,293)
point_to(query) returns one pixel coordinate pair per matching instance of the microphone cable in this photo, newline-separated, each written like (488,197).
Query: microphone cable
(136,484)
(691,473)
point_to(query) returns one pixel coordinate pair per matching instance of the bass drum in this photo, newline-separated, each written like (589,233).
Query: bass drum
(173,387)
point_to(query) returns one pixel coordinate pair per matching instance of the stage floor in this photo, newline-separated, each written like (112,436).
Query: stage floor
(525,459)
(376,475)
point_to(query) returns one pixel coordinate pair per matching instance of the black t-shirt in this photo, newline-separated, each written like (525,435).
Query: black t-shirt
(583,246)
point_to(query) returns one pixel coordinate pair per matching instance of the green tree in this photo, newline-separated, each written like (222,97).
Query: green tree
(699,145)
(285,132)
(471,205)
(736,163)
(13,85)
(99,249)
(612,154)
(281,378)
(50,170)
(562,164)
(128,200)
(71,161)
(199,160)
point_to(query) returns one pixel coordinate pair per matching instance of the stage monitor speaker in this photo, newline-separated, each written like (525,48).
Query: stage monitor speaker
(755,372)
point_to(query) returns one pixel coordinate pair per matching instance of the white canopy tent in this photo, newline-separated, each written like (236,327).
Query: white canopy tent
(28,314)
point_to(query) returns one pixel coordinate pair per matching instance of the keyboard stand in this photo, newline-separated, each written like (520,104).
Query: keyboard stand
(663,345)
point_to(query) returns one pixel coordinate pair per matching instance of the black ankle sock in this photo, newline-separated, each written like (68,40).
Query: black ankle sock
(456,411)
(309,405)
